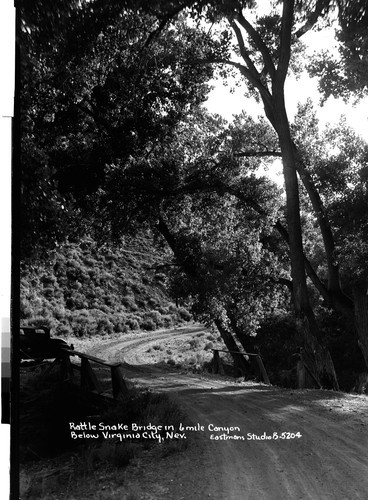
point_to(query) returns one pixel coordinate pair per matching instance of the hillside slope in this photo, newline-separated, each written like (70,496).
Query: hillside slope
(85,289)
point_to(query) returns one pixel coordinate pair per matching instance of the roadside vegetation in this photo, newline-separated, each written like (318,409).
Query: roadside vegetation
(193,354)
(86,289)
(53,465)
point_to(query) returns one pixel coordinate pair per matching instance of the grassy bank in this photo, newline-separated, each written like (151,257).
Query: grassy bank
(55,465)
(87,289)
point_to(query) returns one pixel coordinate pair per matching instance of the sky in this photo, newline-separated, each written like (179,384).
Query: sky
(227,104)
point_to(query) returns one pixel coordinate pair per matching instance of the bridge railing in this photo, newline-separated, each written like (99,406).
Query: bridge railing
(218,366)
(88,377)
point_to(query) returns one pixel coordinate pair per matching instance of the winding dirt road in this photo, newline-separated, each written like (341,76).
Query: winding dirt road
(328,461)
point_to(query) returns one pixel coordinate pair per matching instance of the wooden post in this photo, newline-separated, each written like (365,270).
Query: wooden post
(216,358)
(218,363)
(312,376)
(300,374)
(88,377)
(215,362)
(118,383)
(66,367)
(238,365)
(263,370)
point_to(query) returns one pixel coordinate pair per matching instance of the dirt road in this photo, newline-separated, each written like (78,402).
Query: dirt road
(328,459)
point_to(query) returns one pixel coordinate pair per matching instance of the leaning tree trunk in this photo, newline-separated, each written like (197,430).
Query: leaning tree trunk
(360,294)
(232,346)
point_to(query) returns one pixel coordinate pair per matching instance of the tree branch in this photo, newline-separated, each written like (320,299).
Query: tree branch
(308,266)
(285,282)
(262,47)
(243,50)
(285,42)
(164,22)
(258,153)
(265,94)
(313,17)
(323,222)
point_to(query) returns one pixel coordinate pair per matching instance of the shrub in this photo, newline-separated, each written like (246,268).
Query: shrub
(58,312)
(104,308)
(119,323)
(163,310)
(42,321)
(104,326)
(194,343)
(48,292)
(76,301)
(63,330)
(155,316)
(148,324)
(184,314)
(160,277)
(208,346)
(167,321)
(26,310)
(133,324)
(129,302)
(82,323)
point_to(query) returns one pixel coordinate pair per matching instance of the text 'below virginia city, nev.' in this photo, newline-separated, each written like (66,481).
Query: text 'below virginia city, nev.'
(135,431)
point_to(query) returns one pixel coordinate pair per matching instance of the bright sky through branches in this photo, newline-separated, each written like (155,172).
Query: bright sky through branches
(228,103)
(229,100)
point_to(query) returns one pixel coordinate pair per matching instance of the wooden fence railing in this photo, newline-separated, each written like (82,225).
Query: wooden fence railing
(218,366)
(88,378)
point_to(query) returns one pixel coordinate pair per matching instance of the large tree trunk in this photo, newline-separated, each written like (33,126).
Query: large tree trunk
(319,357)
(275,110)
(360,294)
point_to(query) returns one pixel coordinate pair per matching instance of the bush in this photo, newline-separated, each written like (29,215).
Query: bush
(63,330)
(129,303)
(119,324)
(82,323)
(42,321)
(133,324)
(184,314)
(194,343)
(155,316)
(167,321)
(104,326)
(76,301)
(48,292)
(148,324)
(208,346)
